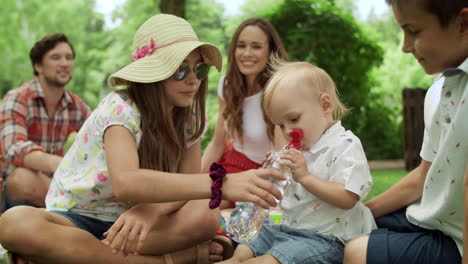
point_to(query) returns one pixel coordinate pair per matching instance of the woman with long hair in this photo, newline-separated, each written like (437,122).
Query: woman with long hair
(240,115)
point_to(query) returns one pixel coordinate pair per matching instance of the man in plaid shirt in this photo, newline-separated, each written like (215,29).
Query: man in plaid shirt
(35,122)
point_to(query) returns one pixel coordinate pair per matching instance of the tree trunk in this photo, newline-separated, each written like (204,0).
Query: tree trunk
(174,7)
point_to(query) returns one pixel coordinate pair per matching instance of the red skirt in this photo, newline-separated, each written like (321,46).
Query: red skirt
(235,161)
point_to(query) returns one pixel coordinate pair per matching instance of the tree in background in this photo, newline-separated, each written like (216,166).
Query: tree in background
(323,32)
(26,21)
(348,6)
(398,71)
(319,32)
(175,7)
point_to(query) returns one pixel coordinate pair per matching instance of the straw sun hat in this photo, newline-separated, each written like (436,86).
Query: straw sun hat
(160,45)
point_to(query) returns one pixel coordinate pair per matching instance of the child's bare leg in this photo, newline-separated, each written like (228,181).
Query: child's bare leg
(44,237)
(25,185)
(192,224)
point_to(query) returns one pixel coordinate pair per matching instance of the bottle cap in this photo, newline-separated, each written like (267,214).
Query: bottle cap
(296,137)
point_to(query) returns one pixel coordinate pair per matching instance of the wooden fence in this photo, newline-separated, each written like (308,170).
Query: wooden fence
(413,124)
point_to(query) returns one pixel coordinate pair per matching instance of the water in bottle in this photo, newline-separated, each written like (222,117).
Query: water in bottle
(247,218)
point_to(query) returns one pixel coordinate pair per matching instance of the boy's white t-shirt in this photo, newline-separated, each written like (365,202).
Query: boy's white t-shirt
(337,156)
(431,102)
(446,146)
(255,139)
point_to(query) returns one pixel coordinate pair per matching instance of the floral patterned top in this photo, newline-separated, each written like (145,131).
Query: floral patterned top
(445,145)
(81,183)
(337,156)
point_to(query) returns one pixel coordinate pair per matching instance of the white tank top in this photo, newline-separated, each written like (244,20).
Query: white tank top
(255,139)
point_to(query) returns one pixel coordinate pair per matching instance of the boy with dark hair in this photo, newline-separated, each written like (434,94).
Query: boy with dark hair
(35,122)
(423,218)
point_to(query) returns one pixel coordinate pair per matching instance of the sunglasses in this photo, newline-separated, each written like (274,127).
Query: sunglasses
(200,69)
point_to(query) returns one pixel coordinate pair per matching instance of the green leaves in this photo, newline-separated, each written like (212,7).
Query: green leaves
(25,22)
(319,32)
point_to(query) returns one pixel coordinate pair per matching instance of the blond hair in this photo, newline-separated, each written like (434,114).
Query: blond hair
(315,78)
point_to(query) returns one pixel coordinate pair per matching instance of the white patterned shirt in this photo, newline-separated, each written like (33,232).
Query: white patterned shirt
(337,156)
(446,146)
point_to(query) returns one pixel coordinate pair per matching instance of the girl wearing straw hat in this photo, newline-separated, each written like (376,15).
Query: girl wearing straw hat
(129,179)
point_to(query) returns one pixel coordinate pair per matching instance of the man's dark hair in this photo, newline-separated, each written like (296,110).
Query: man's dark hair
(445,10)
(44,45)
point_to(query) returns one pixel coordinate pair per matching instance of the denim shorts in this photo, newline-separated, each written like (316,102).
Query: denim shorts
(289,245)
(399,241)
(93,225)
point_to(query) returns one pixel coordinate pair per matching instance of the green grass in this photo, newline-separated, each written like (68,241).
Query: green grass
(383,180)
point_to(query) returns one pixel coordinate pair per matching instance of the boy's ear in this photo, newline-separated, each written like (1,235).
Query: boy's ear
(326,103)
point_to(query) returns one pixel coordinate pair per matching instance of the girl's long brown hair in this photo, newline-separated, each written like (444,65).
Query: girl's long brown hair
(164,132)
(235,86)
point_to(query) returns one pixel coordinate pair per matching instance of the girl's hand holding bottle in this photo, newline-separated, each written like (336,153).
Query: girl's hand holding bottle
(247,219)
(252,186)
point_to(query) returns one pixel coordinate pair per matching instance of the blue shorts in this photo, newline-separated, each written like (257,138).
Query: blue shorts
(289,245)
(7,202)
(399,241)
(92,225)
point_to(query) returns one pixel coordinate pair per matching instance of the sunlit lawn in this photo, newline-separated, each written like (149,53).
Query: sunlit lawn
(384,179)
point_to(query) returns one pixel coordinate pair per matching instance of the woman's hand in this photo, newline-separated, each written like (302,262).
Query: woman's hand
(129,232)
(252,186)
(295,161)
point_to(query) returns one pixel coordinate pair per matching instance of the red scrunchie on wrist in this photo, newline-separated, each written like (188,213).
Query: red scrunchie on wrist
(217,173)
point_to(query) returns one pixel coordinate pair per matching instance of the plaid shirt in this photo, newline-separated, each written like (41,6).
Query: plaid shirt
(25,125)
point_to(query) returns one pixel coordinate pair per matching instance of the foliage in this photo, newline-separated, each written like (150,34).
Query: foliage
(398,71)
(209,28)
(133,13)
(348,6)
(99,51)
(25,22)
(319,32)
(175,7)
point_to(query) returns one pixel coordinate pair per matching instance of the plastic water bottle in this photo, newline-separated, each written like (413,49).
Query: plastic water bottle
(247,218)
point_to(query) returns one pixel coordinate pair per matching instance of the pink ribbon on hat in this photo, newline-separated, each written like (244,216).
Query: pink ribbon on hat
(151,48)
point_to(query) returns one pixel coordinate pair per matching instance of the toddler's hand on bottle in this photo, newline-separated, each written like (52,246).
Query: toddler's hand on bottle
(252,186)
(295,161)
(265,158)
